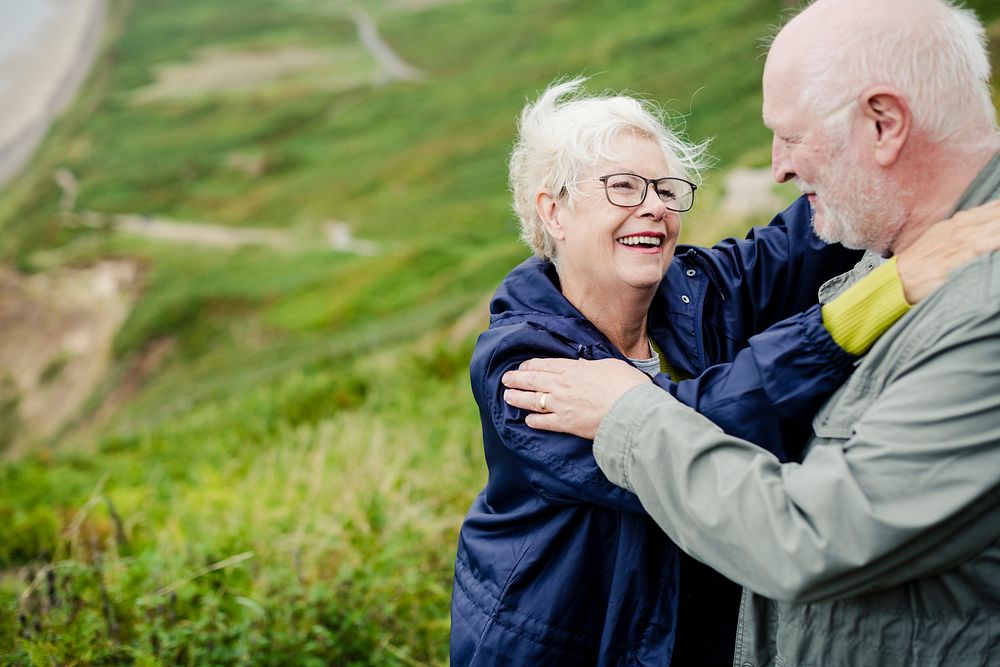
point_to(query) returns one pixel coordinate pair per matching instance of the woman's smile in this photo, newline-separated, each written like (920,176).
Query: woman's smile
(648,243)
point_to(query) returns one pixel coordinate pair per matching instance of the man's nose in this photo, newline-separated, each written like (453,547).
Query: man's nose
(781,166)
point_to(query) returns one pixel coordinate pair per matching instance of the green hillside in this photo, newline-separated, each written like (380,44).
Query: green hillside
(276,463)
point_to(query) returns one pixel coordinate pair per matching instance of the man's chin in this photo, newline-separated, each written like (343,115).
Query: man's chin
(830,230)
(821,226)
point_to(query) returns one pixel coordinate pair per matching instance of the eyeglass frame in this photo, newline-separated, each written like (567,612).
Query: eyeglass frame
(645,191)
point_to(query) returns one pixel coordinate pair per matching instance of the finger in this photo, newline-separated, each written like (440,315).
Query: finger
(978,237)
(989,207)
(992,227)
(968,249)
(984,246)
(528,380)
(990,204)
(964,223)
(546,422)
(983,215)
(547,365)
(525,400)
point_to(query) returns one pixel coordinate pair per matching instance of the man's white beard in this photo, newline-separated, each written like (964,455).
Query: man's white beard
(859,211)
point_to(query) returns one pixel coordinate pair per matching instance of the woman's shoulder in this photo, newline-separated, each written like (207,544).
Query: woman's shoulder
(529,312)
(532,287)
(526,337)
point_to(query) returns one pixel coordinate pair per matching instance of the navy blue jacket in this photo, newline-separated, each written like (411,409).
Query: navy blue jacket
(557,565)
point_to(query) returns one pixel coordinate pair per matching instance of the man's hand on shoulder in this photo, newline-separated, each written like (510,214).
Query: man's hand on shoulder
(569,395)
(925,265)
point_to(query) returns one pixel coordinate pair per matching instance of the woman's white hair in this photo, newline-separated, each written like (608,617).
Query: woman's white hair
(937,57)
(566,132)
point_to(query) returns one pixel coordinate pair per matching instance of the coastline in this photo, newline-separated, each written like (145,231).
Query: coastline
(42,84)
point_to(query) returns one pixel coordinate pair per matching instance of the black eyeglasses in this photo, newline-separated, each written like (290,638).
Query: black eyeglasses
(628,190)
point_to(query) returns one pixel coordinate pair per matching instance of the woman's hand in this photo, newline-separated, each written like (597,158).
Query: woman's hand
(569,395)
(925,265)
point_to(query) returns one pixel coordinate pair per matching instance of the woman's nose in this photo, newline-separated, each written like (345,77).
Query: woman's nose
(652,205)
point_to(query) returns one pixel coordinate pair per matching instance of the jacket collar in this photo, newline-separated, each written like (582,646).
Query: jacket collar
(531,294)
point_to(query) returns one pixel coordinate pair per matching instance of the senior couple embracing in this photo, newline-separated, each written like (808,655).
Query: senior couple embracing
(782,450)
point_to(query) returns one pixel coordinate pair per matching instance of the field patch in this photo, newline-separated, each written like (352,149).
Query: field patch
(58,332)
(221,71)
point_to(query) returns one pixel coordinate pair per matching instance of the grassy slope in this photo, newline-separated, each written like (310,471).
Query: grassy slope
(313,419)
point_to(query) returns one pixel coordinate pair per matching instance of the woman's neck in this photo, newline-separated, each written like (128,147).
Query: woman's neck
(621,316)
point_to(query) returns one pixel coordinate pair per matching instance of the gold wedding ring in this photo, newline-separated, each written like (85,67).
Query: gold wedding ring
(541,402)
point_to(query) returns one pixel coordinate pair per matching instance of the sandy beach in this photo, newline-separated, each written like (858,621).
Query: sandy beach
(41,78)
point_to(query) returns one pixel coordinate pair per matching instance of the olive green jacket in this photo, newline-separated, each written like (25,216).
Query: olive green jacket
(882,547)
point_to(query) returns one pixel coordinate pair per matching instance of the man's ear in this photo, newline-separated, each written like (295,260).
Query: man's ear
(889,121)
(548,207)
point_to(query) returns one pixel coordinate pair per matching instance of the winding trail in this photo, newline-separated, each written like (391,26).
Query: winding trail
(394,68)
(218,236)
(336,233)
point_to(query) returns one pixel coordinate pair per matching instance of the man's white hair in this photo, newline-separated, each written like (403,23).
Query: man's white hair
(567,131)
(939,60)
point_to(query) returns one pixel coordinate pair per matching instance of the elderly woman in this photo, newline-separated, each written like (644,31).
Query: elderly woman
(555,564)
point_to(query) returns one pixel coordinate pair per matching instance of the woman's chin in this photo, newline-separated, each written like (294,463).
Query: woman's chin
(645,274)
(646,279)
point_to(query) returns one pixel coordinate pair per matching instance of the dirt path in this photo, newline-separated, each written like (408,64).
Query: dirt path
(218,236)
(337,234)
(58,328)
(393,67)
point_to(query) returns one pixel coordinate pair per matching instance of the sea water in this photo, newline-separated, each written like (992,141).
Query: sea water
(20,24)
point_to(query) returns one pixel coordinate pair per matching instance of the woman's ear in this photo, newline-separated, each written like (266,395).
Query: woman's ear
(548,209)
(888,115)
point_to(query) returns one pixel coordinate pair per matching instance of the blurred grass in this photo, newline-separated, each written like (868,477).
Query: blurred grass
(312,475)
(286,487)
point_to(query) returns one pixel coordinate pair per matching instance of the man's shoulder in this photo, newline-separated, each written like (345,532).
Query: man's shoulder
(969,298)
(975,285)
(947,331)
(968,304)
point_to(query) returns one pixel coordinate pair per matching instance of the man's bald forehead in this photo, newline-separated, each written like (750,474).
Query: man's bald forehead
(823,21)
(831,35)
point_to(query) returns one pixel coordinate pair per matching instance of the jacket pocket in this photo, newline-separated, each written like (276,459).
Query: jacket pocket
(833,422)
(838,416)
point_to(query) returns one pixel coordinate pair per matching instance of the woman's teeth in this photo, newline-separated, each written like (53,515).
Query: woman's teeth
(640,240)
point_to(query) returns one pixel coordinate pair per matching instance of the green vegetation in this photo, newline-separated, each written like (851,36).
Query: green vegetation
(286,482)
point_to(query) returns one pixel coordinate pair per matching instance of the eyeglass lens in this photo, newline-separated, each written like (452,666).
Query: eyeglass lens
(630,190)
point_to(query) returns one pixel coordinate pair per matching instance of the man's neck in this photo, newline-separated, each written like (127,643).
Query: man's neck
(934,197)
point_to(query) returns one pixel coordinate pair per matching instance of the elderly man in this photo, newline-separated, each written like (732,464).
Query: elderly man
(882,547)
